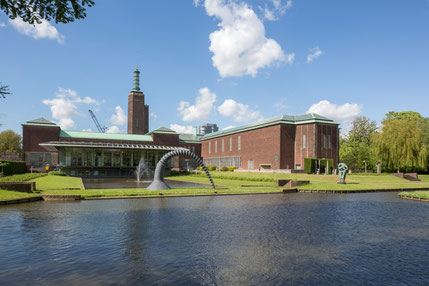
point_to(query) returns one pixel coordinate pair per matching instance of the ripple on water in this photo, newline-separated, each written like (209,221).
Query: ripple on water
(300,239)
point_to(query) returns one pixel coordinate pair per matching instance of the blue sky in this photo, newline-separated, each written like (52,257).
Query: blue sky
(225,62)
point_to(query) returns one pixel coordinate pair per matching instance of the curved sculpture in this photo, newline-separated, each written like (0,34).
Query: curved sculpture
(342,172)
(158,180)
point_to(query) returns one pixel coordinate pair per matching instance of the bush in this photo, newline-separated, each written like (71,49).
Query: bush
(231,169)
(57,173)
(224,169)
(211,168)
(12,167)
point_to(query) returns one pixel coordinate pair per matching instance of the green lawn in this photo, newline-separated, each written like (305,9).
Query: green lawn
(11,195)
(47,183)
(22,177)
(416,194)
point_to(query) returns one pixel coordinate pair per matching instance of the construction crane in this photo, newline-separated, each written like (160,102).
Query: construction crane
(100,128)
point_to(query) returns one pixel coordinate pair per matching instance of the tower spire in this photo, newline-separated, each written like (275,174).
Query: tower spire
(136,80)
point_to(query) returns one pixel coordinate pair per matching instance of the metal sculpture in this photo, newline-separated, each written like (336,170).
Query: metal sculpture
(342,172)
(158,180)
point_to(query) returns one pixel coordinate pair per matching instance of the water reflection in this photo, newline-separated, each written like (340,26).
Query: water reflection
(300,239)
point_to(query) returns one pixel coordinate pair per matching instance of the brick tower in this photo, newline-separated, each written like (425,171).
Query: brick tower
(138,112)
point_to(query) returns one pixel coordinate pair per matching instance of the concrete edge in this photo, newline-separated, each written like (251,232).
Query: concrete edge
(360,191)
(414,198)
(20,201)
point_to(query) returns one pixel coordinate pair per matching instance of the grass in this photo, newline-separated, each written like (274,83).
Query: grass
(416,194)
(47,183)
(11,195)
(22,177)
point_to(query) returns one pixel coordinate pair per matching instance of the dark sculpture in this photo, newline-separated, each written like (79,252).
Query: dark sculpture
(158,180)
(342,172)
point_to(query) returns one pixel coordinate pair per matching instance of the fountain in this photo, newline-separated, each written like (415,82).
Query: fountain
(141,169)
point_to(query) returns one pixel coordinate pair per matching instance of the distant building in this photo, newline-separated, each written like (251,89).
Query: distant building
(207,128)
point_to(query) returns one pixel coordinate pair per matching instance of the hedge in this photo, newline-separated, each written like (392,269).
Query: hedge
(12,167)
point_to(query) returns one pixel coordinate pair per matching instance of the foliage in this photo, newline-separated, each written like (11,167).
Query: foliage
(10,141)
(224,169)
(12,167)
(22,177)
(62,11)
(57,173)
(400,145)
(310,165)
(211,168)
(231,169)
(357,146)
(4,90)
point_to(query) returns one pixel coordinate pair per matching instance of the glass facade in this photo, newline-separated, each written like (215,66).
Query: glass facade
(101,162)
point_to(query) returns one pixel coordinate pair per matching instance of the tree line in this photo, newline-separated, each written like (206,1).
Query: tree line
(401,143)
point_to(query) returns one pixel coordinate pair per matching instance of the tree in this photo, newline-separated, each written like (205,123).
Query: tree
(10,141)
(62,11)
(4,90)
(400,145)
(356,146)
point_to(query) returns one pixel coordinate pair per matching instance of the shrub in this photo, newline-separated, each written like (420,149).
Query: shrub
(57,173)
(12,167)
(231,169)
(224,169)
(211,168)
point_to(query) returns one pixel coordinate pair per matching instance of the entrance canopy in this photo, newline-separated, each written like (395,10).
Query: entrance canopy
(53,146)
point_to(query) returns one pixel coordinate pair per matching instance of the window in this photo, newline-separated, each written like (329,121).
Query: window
(107,158)
(40,159)
(193,149)
(230,144)
(210,147)
(298,166)
(250,164)
(239,143)
(223,145)
(303,141)
(324,141)
(329,141)
(216,146)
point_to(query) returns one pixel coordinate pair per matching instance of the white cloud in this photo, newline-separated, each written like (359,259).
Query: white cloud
(113,129)
(119,117)
(343,114)
(44,30)
(2,24)
(87,130)
(64,106)
(316,52)
(202,107)
(197,3)
(238,111)
(239,46)
(280,105)
(182,129)
(153,115)
(277,9)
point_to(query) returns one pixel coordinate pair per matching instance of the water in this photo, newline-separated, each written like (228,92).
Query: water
(285,239)
(125,183)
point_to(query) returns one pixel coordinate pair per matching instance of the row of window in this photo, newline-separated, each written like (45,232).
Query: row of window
(224,162)
(325,143)
(223,145)
(40,159)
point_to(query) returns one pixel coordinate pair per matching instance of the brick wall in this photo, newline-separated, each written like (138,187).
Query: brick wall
(138,114)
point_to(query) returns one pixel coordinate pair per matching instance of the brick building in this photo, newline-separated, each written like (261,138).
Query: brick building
(281,142)
(277,143)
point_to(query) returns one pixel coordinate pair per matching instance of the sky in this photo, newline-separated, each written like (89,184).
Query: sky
(226,62)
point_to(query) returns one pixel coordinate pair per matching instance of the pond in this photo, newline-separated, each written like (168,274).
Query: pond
(299,239)
(125,183)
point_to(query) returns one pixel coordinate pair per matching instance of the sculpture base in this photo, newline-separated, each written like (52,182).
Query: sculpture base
(158,185)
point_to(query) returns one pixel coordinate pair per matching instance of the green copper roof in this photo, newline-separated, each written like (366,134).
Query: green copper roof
(136,80)
(105,136)
(189,138)
(282,119)
(163,130)
(40,122)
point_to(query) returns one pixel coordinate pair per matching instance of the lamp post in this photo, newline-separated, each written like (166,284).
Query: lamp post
(365,165)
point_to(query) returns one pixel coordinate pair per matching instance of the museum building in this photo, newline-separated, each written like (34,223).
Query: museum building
(278,143)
